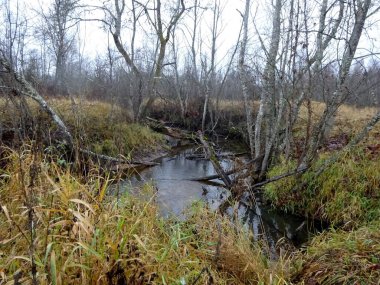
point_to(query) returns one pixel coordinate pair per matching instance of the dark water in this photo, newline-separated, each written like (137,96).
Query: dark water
(176,191)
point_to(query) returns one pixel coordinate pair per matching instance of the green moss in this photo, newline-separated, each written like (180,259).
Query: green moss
(345,192)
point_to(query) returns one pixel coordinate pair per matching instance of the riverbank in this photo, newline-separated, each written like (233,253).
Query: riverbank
(100,127)
(58,226)
(59,230)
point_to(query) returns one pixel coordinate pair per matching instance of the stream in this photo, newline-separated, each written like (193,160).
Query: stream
(176,191)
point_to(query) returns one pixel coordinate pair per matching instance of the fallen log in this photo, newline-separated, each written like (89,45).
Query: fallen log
(220,155)
(161,126)
(210,153)
(232,171)
(217,176)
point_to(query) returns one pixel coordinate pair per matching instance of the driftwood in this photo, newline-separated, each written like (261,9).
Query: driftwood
(210,153)
(20,86)
(218,155)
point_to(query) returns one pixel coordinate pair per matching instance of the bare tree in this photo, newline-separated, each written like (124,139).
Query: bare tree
(114,20)
(15,30)
(60,26)
(211,72)
(244,79)
(163,32)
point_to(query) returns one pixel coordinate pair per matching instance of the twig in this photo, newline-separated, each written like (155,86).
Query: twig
(210,279)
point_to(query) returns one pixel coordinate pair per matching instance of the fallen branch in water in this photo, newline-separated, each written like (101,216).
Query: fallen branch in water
(232,171)
(210,154)
(220,155)
(217,176)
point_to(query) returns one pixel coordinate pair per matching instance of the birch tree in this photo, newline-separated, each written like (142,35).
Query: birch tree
(244,79)
(361,12)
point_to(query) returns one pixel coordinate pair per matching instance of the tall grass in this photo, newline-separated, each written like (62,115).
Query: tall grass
(346,193)
(57,230)
(339,257)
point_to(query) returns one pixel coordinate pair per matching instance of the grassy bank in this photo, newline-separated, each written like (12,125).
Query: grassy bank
(340,257)
(58,230)
(60,227)
(101,127)
(346,193)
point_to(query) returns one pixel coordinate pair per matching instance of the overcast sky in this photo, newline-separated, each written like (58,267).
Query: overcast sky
(94,39)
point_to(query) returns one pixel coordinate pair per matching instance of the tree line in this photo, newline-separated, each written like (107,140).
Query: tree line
(169,52)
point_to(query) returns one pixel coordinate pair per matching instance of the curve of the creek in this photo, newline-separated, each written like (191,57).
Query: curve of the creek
(176,191)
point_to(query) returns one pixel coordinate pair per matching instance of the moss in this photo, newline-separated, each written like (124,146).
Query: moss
(347,192)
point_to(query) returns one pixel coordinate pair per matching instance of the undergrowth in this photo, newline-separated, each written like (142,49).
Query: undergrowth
(107,129)
(57,230)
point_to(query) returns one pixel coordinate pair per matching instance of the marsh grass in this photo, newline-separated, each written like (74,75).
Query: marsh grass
(72,232)
(346,193)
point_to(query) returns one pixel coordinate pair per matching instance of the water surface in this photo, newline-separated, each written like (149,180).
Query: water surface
(176,191)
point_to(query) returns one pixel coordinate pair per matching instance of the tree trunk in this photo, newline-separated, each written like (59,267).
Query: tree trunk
(243,79)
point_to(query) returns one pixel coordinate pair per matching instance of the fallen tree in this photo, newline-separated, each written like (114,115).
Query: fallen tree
(210,154)
(163,127)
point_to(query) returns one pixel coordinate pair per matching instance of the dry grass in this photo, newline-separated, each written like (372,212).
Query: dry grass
(99,126)
(339,257)
(73,233)
(349,119)
(346,193)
